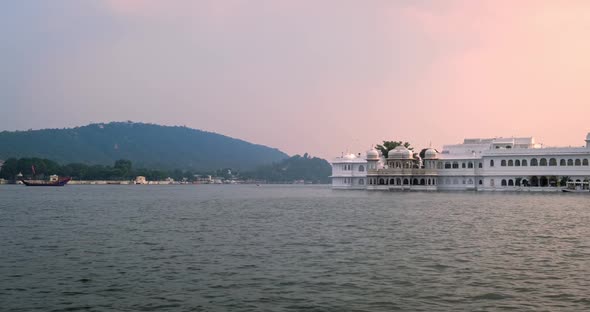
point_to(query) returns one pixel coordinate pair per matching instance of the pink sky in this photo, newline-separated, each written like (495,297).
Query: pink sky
(306,76)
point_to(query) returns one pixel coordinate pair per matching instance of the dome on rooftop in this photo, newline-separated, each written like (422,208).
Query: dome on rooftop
(372,154)
(400,152)
(430,154)
(349,156)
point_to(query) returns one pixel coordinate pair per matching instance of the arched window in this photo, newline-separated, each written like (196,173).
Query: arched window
(517,181)
(480,182)
(439,165)
(562,162)
(491,162)
(570,162)
(463,165)
(422,182)
(381,182)
(470,165)
(480,165)
(552,162)
(361,168)
(517,163)
(361,181)
(510,163)
(455,165)
(524,163)
(510,182)
(415,182)
(534,162)
(543,162)
(578,163)
(503,182)
(398,181)
(503,163)
(391,181)
(584,162)
(406,181)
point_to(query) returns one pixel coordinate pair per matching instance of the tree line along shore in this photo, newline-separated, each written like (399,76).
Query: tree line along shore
(295,169)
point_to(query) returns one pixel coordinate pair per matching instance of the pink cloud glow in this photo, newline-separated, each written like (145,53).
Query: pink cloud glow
(326,76)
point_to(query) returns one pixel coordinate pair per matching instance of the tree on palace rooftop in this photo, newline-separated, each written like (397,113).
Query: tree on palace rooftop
(389,145)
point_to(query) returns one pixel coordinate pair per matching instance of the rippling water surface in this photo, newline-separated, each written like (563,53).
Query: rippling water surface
(290,248)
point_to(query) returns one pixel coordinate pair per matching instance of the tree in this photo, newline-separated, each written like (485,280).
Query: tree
(563,181)
(123,166)
(389,145)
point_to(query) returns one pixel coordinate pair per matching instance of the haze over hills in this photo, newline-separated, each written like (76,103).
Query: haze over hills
(146,145)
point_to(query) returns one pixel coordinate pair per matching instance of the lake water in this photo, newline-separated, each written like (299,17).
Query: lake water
(290,248)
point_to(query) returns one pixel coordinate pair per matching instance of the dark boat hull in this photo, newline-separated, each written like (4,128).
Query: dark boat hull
(60,182)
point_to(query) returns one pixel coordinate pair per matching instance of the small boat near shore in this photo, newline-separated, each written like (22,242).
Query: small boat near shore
(52,182)
(576,187)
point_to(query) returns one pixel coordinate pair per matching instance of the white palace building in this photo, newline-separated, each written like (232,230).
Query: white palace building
(498,164)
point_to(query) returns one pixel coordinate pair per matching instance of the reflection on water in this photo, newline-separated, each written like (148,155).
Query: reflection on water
(249,248)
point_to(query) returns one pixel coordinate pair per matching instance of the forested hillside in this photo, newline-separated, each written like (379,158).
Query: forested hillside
(146,145)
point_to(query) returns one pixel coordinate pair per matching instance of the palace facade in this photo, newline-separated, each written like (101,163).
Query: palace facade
(496,164)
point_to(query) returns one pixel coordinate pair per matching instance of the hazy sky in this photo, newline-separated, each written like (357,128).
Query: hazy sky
(318,76)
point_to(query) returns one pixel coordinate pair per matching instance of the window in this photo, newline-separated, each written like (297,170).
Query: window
(543,162)
(510,163)
(578,163)
(552,162)
(455,165)
(562,162)
(524,163)
(463,165)
(361,181)
(480,165)
(361,168)
(517,182)
(480,182)
(510,182)
(584,162)
(534,162)
(503,163)
(570,162)
(469,165)
(470,181)
(503,182)
(391,181)
(517,163)
(491,163)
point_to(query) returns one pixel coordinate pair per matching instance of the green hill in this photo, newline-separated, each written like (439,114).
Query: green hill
(296,168)
(146,145)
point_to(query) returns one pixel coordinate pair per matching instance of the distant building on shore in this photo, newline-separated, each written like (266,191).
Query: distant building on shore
(493,164)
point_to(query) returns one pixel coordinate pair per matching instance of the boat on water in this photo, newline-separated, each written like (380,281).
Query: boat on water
(577,187)
(52,182)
